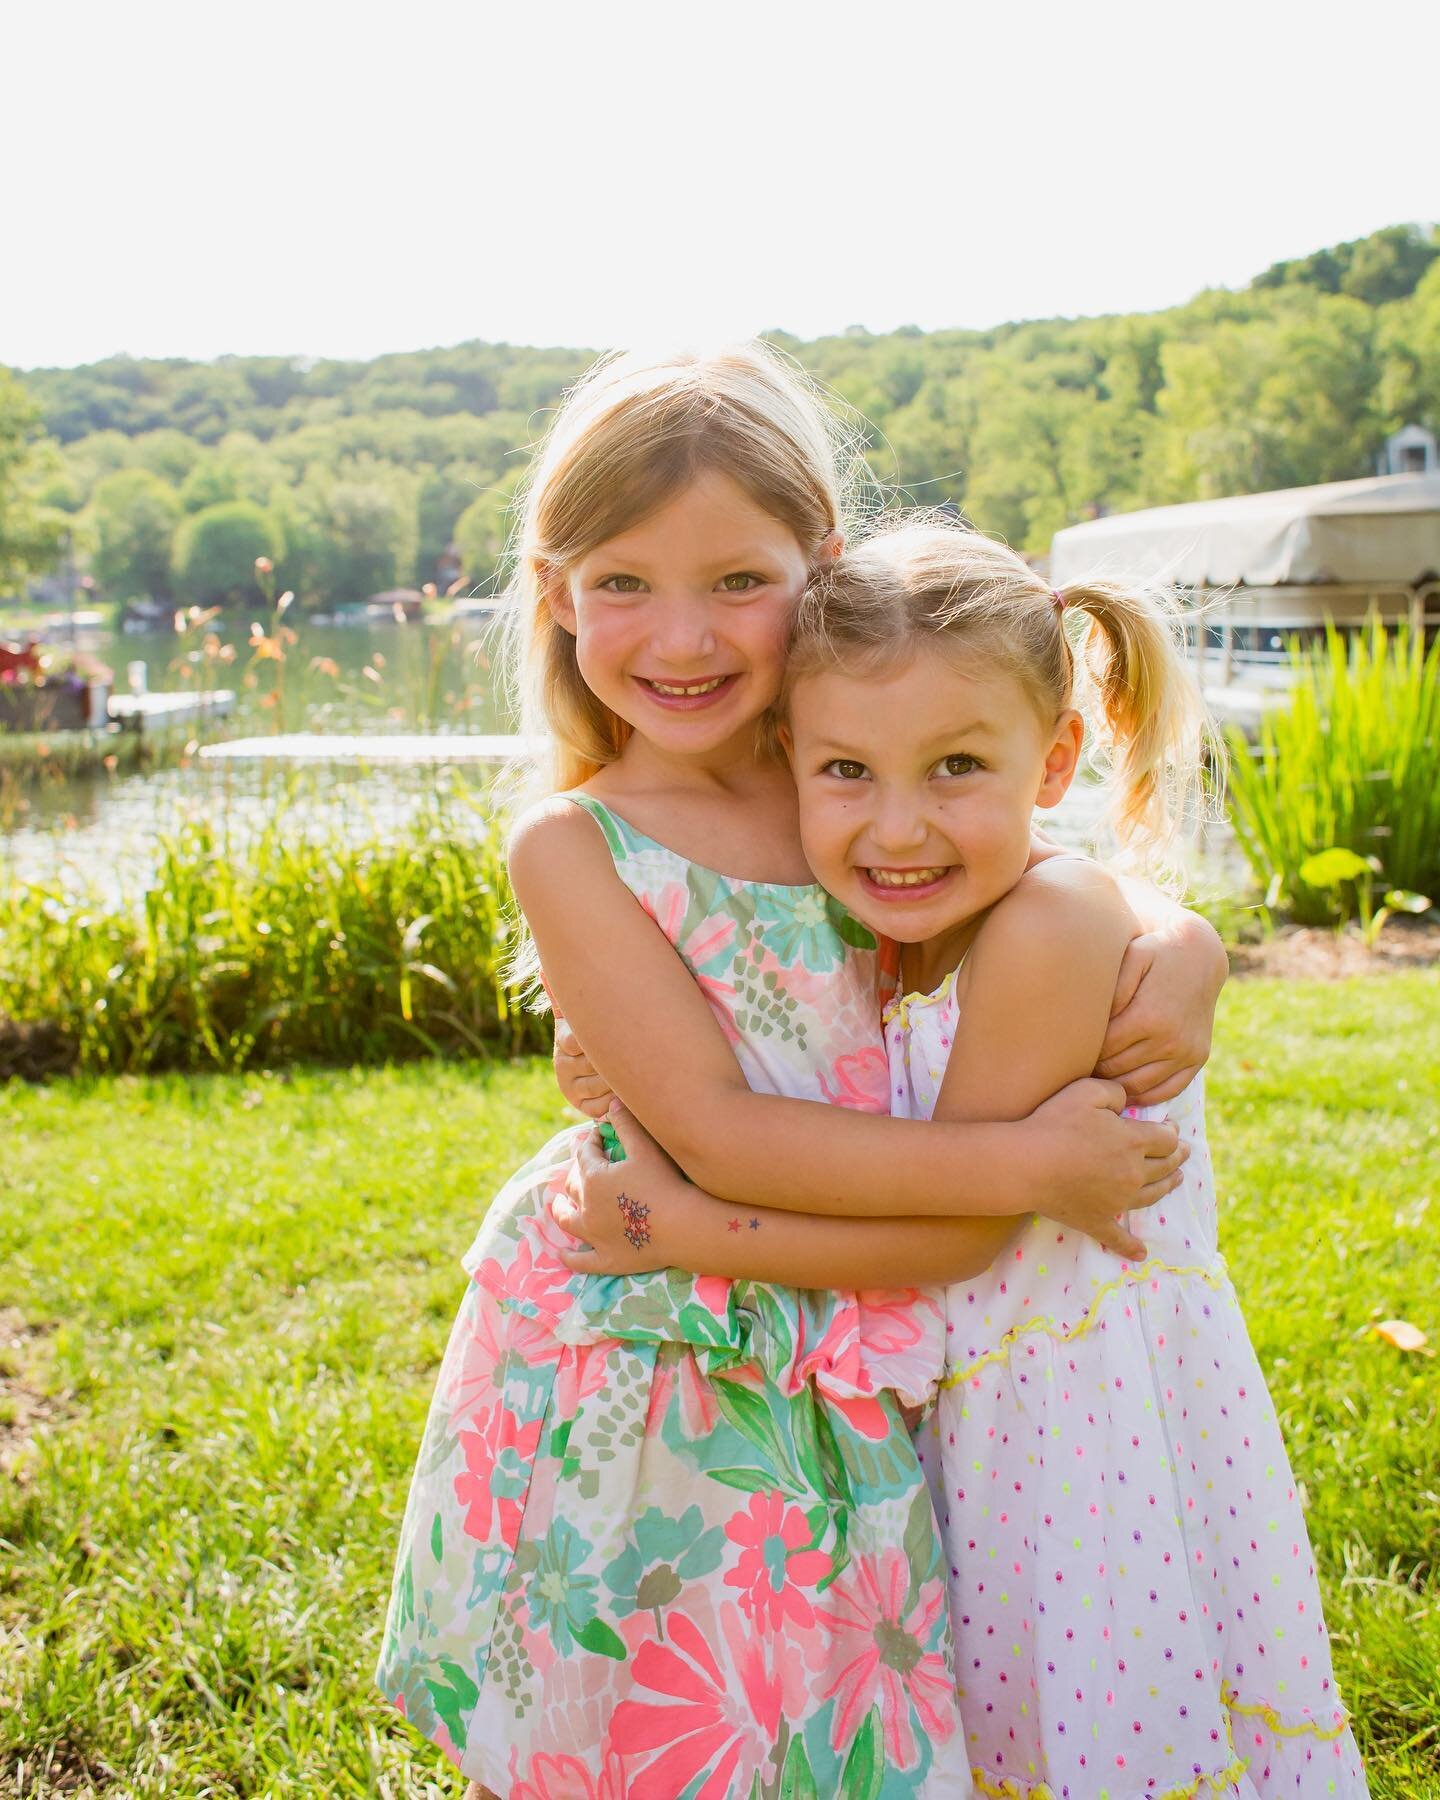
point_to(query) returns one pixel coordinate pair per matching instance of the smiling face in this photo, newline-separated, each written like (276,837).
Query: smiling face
(680,621)
(917,786)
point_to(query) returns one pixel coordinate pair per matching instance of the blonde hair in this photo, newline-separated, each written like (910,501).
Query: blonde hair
(922,580)
(630,436)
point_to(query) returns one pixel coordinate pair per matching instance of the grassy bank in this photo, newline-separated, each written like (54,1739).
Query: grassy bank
(226,1297)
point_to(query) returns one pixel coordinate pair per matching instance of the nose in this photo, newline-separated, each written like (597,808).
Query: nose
(684,635)
(897,824)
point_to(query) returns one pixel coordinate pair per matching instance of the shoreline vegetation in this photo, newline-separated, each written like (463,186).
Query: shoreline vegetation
(277,949)
(227,1295)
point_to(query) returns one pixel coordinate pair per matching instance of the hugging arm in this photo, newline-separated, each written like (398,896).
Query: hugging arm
(649,1028)
(1162,1011)
(1060,932)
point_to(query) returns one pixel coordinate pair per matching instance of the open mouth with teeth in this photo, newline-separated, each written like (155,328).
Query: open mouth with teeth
(686,694)
(905,884)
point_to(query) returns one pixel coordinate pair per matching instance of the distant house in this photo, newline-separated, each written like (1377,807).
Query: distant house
(1410,451)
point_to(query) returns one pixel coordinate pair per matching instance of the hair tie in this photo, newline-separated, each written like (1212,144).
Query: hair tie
(1059,599)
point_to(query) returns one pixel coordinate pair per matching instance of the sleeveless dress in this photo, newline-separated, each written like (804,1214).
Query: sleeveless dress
(668,1537)
(1132,1590)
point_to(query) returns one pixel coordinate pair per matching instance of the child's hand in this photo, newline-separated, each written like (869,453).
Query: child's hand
(624,1211)
(587,1091)
(1163,1012)
(1092,1164)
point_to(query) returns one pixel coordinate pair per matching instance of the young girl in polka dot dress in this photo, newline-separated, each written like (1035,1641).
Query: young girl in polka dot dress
(1132,1591)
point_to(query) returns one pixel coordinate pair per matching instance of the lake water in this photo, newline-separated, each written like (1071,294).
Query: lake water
(380,678)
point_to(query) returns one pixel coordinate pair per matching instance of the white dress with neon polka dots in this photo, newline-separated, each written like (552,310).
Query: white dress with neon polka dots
(1132,1588)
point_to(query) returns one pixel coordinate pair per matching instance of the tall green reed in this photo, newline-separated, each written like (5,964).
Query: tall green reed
(1351,761)
(281,948)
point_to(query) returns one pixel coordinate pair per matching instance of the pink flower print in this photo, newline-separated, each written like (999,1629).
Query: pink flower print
(839,1368)
(776,1561)
(498,1457)
(532,1275)
(885,1656)
(583,1370)
(698,1409)
(566,1778)
(474,1373)
(578,1697)
(712,1720)
(710,942)
(861,1081)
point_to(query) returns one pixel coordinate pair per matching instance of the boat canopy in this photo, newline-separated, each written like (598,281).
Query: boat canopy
(1380,532)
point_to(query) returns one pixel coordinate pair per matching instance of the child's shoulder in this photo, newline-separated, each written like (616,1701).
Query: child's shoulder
(1061,904)
(555,839)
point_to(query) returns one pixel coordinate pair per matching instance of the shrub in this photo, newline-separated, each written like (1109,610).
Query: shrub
(1351,762)
(286,951)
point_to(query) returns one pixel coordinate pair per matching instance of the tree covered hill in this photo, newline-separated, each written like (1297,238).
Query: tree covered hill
(354,476)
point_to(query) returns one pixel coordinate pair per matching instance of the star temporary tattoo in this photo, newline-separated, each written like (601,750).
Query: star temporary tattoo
(732,1225)
(754,1224)
(634,1213)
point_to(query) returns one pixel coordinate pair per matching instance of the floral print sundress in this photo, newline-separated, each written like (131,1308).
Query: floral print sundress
(668,1537)
(1132,1588)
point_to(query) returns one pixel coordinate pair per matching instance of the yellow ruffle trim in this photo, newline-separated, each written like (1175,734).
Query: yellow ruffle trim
(898,1006)
(1012,1789)
(1015,1790)
(1214,1275)
(1306,1728)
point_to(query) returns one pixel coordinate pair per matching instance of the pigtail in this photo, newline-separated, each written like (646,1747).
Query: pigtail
(1152,725)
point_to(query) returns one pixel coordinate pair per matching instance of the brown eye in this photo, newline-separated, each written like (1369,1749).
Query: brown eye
(621,584)
(958,765)
(846,769)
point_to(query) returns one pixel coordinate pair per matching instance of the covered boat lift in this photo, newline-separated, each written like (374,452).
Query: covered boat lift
(1271,567)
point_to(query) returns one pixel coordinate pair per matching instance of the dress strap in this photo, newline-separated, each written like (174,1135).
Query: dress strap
(619,836)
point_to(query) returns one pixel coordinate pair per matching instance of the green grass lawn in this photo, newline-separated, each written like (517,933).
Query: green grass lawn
(229,1296)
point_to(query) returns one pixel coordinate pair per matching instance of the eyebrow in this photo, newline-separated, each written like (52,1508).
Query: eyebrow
(976,728)
(733,560)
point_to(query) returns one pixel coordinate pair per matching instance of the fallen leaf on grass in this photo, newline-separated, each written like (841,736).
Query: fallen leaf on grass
(1402,1334)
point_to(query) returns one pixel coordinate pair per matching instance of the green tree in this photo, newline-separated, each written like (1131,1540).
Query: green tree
(134,515)
(482,531)
(215,552)
(30,532)
(354,532)
(167,453)
(444,495)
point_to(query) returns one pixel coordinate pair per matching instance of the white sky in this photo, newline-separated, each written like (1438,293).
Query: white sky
(345,179)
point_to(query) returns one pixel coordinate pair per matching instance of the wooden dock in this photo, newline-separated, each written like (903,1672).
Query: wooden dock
(383,747)
(136,712)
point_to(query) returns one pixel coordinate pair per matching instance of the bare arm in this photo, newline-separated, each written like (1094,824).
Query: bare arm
(647,1025)
(1062,931)
(684,1228)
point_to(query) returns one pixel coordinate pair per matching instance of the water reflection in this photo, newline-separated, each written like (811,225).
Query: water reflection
(377,678)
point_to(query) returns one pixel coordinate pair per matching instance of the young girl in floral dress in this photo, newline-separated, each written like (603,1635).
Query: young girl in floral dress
(670,1537)
(1132,1591)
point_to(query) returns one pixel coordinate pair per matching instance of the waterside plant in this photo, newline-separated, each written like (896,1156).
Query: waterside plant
(1351,761)
(277,949)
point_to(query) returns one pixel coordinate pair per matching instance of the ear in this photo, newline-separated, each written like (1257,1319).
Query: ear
(1062,759)
(830,547)
(786,739)
(555,590)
